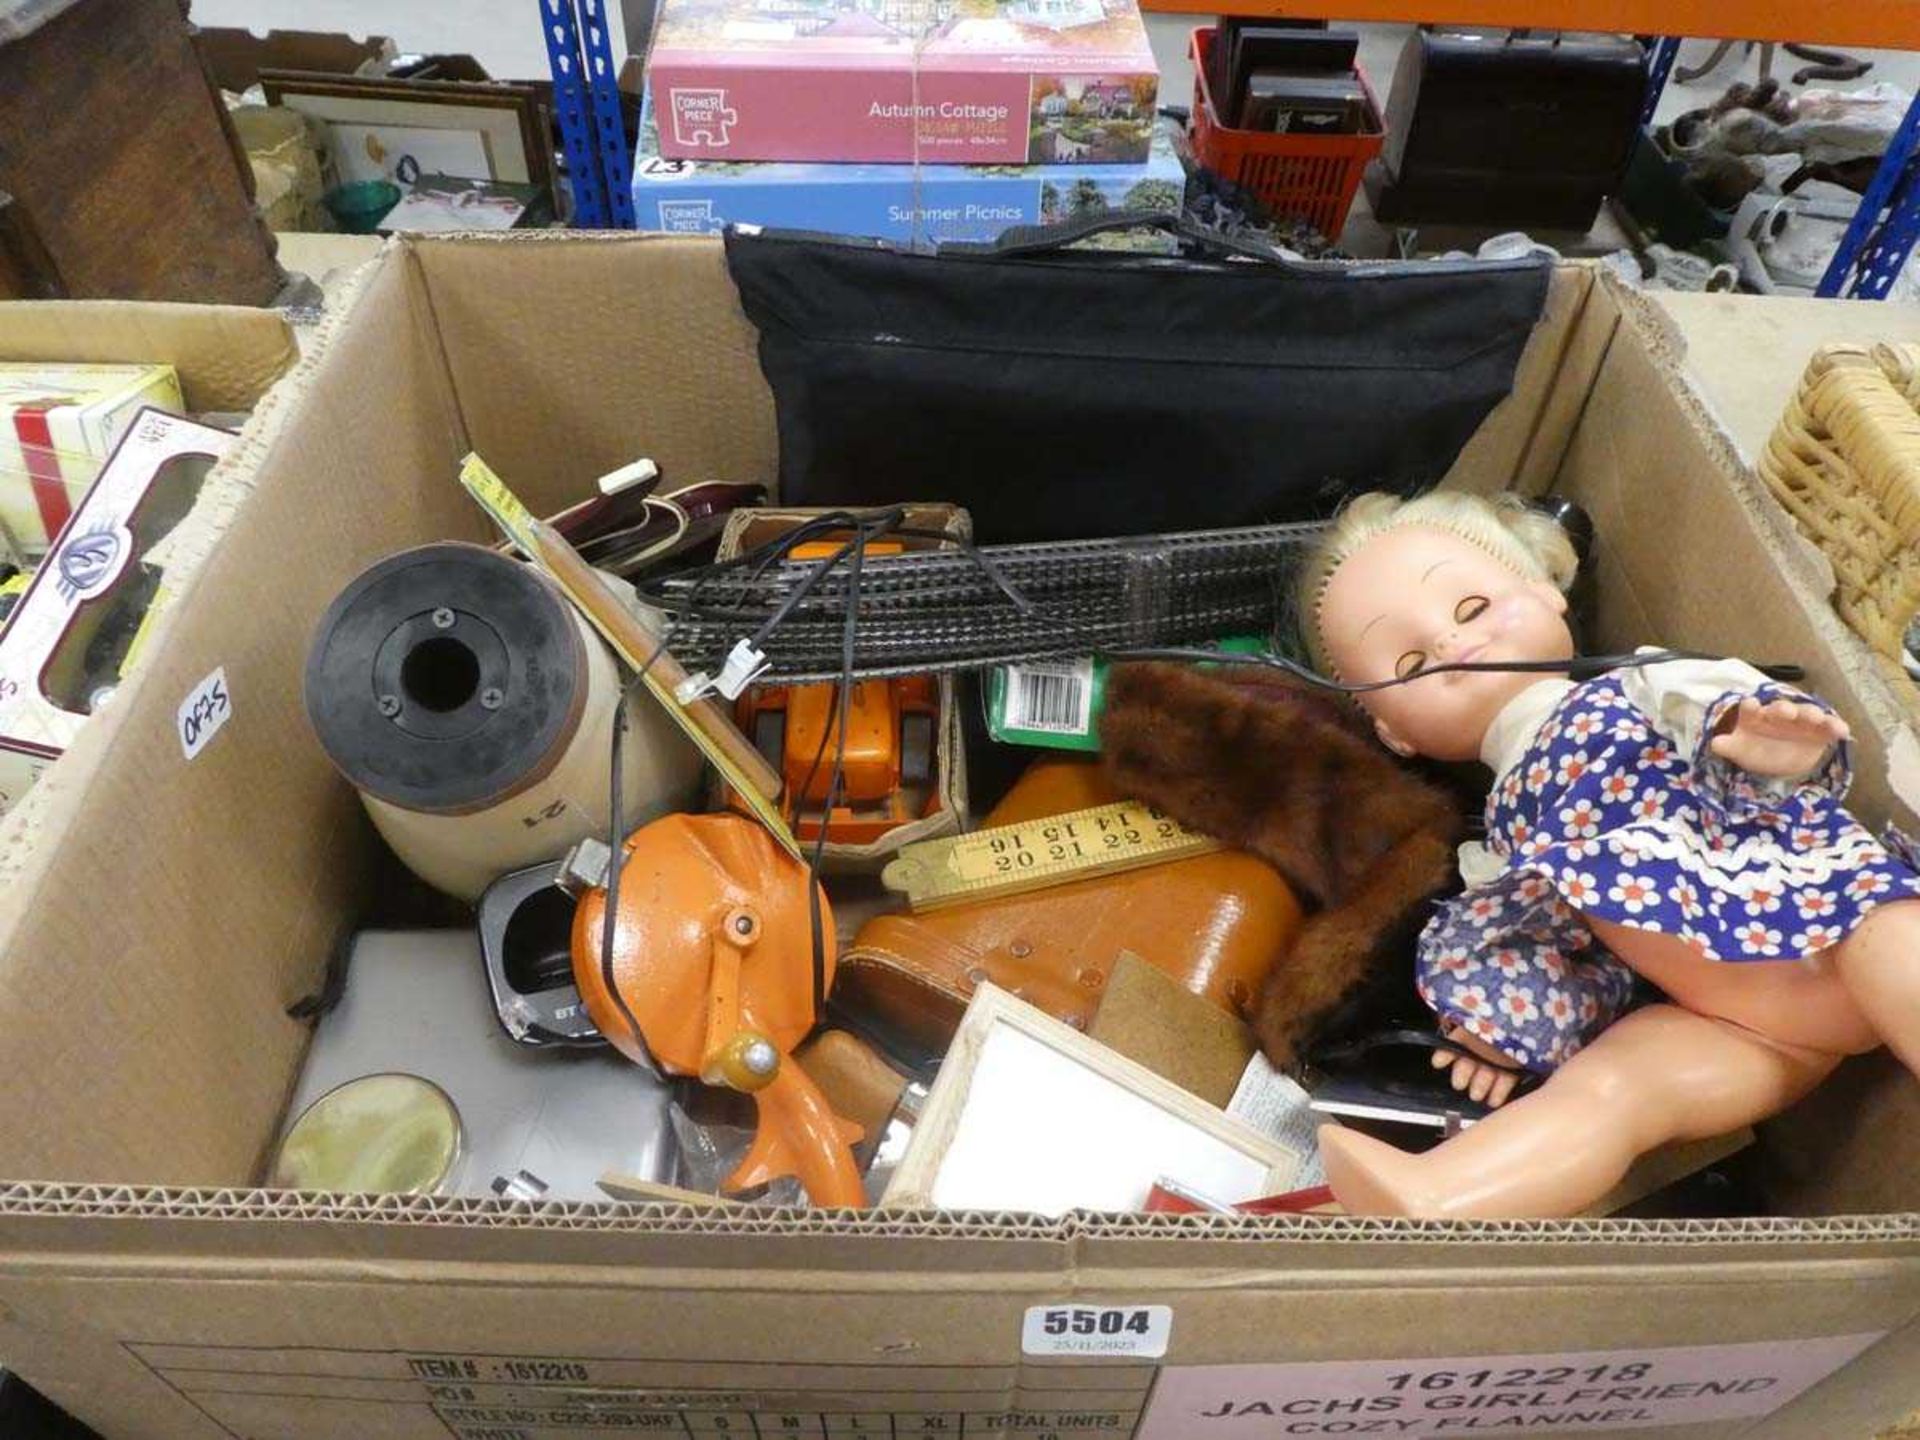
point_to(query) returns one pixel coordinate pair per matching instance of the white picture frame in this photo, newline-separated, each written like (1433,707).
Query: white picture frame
(1028,1115)
(507,118)
(374,152)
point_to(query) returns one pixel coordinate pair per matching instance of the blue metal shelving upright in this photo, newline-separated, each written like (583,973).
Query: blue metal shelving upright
(586,97)
(1660,60)
(1885,226)
(561,31)
(603,87)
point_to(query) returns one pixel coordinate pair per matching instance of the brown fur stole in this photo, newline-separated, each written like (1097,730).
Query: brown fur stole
(1291,775)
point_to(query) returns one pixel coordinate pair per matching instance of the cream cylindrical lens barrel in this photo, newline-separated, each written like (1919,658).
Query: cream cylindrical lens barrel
(473,709)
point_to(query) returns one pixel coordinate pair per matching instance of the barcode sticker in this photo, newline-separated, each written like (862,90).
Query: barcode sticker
(1052,699)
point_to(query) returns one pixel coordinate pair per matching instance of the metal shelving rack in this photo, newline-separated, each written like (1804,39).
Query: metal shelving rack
(586,96)
(1887,224)
(1877,24)
(1876,246)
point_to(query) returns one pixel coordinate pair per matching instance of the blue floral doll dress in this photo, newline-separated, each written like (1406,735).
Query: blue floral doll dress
(1609,801)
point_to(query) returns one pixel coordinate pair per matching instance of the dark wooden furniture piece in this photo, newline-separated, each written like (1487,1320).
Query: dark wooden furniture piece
(120,160)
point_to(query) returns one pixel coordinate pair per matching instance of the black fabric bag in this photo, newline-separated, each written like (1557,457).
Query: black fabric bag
(1064,394)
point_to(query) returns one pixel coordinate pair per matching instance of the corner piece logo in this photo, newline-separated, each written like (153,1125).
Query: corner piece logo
(688,217)
(90,562)
(701,117)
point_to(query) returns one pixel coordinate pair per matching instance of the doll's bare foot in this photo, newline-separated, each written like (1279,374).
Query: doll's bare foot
(1371,1177)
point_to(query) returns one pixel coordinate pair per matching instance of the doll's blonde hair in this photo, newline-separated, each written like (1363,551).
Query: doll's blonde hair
(1526,541)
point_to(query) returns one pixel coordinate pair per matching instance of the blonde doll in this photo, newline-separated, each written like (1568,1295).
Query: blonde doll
(1676,821)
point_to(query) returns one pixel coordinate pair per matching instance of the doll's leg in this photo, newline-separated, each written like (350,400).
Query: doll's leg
(1659,1075)
(1794,1002)
(1879,963)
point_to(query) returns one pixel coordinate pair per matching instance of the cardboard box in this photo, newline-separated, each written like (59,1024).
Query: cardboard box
(78,630)
(1004,82)
(58,424)
(235,57)
(214,359)
(925,203)
(150,945)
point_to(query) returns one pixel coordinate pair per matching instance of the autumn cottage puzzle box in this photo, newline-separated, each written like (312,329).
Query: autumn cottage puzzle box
(958,82)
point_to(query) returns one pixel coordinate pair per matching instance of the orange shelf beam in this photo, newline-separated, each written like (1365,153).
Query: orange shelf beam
(1874,24)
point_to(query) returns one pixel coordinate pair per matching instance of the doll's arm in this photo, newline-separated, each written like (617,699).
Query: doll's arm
(1746,737)
(1751,741)
(1479,1071)
(1777,739)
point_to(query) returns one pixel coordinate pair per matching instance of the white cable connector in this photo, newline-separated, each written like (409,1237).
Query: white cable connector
(627,476)
(744,665)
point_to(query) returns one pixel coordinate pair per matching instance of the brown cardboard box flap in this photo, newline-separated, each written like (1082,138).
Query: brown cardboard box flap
(226,355)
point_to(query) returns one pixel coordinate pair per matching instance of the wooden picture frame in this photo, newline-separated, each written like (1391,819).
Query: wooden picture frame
(508,117)
(1029,1115)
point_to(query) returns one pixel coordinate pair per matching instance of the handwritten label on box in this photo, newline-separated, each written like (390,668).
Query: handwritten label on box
(208,706)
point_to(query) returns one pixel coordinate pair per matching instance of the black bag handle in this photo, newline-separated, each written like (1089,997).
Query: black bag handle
(1028,241)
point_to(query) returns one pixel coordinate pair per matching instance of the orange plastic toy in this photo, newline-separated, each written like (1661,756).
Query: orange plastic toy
(889,771)
(713,962)
(888,777)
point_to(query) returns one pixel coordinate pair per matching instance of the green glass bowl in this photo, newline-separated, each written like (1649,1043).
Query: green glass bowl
(361,206)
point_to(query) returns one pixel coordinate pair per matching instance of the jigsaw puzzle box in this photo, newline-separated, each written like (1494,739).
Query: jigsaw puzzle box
(922,204)
(1000,82)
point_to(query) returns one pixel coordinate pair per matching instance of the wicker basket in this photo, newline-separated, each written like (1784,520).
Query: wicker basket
(1845,462)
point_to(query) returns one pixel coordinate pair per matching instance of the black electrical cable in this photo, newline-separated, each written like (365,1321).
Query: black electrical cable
(617,836)
(616,843)
(852,552)
(819,752)
(1580,667)
(834,781)
(754,561)
(862,536)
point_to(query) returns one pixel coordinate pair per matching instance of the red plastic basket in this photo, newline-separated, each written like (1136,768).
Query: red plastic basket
(1311,176)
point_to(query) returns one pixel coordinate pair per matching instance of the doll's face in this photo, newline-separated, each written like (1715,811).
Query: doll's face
(1418,597)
